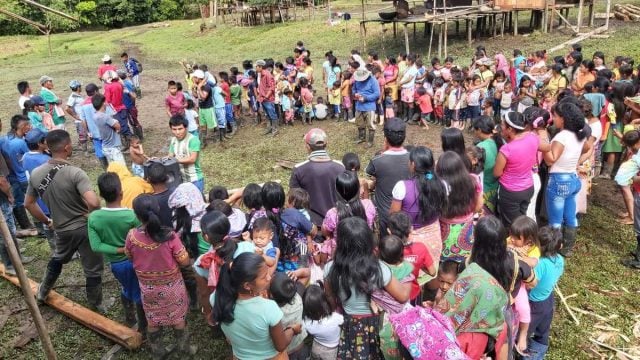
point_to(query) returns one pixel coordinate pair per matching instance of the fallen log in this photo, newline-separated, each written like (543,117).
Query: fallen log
(578,39)
(108,328)
(621,16)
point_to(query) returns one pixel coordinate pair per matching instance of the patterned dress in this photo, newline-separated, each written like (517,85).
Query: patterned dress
(164,296)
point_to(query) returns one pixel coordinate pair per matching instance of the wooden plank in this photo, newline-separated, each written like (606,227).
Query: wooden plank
(108,328)
(577,39)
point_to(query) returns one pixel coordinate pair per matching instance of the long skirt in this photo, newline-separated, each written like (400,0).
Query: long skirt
(360,338)
(165,302)
(431,238)
(457,237)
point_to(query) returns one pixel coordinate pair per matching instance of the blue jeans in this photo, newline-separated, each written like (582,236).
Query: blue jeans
(97,147)
(228,110)
(221,117)
(123,118)
(199,184)
(538,334)
(270,110)
(18,189)
(7,211)
(562,189)
(125,274)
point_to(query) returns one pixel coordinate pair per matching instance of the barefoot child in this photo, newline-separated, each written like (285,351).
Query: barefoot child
(137,156)
(108,228)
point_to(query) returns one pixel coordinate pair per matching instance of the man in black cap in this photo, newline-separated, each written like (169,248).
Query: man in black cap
(388,168)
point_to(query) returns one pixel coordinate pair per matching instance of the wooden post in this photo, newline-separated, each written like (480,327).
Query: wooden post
(608,11)
(515,23)
(363,10)
(211,8)
(545,17)
(504,19)
(215,12)
(445,30)
(579,24)
(406,38)
(26,290)
(384,30)
(440,40)
(591,13)
(469,32)
(414,32)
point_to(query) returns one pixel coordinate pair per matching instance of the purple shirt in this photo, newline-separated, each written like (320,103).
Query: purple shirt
(521,155)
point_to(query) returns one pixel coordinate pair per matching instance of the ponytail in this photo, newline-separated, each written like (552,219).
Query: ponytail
(348,202)
(430,190)
(233,275)
(156,231)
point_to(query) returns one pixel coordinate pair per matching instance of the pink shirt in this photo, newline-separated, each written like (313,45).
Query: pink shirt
(521,155)
(152,260)
(175,103)
(331,219)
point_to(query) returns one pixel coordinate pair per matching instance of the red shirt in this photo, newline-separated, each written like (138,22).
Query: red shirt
(424,102)
(417,254)
(104,68)
(266,87)
(113,92)
(175,103)
(225,89)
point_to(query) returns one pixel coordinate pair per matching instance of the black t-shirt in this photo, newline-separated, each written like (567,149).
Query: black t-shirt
(388,168)
(207,102)
(318,178)
(166,213)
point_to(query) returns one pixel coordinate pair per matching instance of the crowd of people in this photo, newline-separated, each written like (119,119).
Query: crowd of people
(455,257)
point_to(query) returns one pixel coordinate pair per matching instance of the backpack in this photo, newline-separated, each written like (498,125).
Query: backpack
(138,65)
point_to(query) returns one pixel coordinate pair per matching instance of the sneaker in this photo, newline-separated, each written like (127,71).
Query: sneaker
(275,132)
(353,120)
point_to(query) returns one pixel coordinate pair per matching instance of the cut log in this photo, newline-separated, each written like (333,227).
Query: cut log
(106,327)
(621,16)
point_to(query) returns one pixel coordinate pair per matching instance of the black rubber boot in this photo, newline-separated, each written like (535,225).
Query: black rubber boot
(361,136)
(192,288)
(129,310)
(411,116)
(636,252)
(142,320)
(104,162)
(54,268)
(158,351)
(22,218)
(182,340)
(569,241)
(93,288)
(221,134)
(370,138)
(4,255)
(231,130)
(204,138)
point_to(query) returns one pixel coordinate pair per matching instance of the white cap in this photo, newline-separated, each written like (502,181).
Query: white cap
(198,74)
(106,58)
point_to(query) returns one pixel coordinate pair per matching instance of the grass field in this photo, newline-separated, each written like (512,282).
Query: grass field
(600,284)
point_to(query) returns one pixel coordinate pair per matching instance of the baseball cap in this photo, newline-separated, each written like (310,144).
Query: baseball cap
(92,88)
(37,100)
(395,125)
(361,75)
(106,58)
(109,75)
(198,74)
(34,136)
(315,136)
(44,79)
(74,84)
(261,63)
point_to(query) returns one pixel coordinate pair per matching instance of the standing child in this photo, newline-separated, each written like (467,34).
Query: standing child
(455,102)
(109,130)
(527,93)
(388,104)
(228,107)
(157,255)
(137,156)
(73,108)
(108,229)
(345,92)
(186,149)
(174,102)
(236,98)
(335,99)
(287,107)
(541,299)
(221,115)
(475,97)
(283,292)
(307,101)
(322,322)
(193,118)
(439,96)
(425,105)
(628,179)
(506,98)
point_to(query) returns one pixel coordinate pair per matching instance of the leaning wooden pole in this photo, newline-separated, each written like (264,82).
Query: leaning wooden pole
(29,298)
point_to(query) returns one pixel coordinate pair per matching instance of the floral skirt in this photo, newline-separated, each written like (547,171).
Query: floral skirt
(165,302)
(360,338)
(388,339)
(457,239)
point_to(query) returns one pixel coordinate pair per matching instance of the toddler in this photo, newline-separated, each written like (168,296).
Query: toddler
(438,100)
(388,104)
(262,234)
(322,322)
(456,103)
(320,111)
(475,97)
(335,99)
(287,106)
(426,108)
(236,96)
(137,156)
(345,91)
(506,97)
(306,97)
(283,292)
(193,118)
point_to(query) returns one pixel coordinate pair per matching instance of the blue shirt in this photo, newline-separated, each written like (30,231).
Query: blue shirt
(126,96)
(87,112)
(30,161)
(132,67)
(548,272)
(13,149)
(370,91)
(218,97)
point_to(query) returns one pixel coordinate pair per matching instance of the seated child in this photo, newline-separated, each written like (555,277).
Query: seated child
(322,322)
(320,109)
(283,292)
(137,156)
(391,253)
(261,236)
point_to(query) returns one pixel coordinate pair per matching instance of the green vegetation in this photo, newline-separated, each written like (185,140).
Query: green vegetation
(594,274)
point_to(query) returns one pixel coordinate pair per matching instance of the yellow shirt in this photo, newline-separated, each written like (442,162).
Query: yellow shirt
(534,252)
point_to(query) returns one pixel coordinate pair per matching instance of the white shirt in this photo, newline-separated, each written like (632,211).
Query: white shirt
(21,101)
(325,331)
(191,116)
(568,161)
(321,111)
(596,130)
(409,75)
